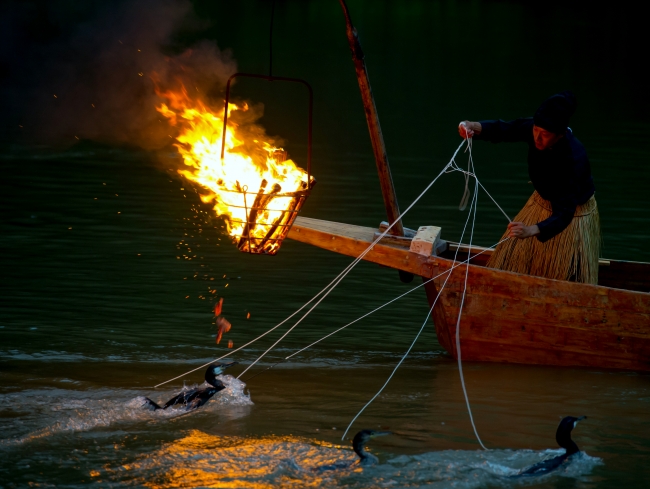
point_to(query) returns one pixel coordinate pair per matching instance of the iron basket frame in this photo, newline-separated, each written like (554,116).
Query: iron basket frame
(300,196)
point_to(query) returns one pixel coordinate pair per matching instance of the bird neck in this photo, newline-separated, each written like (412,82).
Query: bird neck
(565,441)
(359,449)
(365,457)
(571,447)
(212,380)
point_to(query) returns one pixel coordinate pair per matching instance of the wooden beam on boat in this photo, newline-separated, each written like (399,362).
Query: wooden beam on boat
(351,240)
(372,118)
(376,136)
(618,274)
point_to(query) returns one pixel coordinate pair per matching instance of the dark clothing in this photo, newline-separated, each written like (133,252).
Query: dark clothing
(561,174)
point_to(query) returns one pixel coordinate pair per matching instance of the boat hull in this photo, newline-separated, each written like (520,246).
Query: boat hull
(509,317)
(515,318)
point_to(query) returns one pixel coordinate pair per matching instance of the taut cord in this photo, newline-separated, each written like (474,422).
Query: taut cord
(374,310)
(462,302)
(343,274)
(381,389)
(326,290)
(472,213)
(452,166)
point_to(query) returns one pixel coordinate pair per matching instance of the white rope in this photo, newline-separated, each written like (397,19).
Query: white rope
(393,300)
(325,291)
(419,332)
(470,166)
(259,337)
(469,173)
(472,213)
(495,202)
(378,308)
(357,260)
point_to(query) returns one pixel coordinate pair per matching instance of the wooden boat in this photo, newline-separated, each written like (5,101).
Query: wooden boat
(511,317)
(506,317)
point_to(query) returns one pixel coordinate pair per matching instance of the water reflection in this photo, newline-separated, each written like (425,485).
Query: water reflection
(203,460)
(199,459)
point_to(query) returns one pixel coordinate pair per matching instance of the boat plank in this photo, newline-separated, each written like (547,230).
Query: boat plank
(482,350)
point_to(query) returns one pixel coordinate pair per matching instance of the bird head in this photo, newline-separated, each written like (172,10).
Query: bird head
(216,369)
(361,438)
(365,435)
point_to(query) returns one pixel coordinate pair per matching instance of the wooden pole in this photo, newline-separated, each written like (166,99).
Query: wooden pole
(376,136)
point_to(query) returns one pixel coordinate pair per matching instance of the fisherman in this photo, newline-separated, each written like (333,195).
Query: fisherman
(561,215)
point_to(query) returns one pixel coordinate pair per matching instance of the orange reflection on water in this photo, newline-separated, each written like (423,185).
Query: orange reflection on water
(203,460)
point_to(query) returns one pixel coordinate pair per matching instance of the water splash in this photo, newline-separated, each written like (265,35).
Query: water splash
(67,411)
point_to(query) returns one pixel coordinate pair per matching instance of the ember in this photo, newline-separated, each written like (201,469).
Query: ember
(223,326)
(218,306)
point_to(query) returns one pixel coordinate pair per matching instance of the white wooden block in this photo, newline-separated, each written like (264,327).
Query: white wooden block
(425,240)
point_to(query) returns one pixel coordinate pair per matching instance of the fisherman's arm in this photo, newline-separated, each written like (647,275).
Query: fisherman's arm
(563,212)
(497,131)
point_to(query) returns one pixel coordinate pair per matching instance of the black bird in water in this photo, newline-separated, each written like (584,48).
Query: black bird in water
(358,444)
(563,438)
(198,396)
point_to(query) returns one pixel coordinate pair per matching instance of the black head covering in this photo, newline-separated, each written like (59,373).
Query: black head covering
(555,112)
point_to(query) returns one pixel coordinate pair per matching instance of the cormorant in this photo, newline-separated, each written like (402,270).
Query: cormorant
(358,444)
(198,396)
(563,438)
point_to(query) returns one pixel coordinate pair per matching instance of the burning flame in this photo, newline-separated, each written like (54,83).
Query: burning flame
(255,188)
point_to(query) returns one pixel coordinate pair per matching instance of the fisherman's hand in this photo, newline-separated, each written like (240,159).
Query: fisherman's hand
(468,129)
(521,231)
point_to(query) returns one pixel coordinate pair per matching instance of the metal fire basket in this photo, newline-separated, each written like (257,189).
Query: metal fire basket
(267,238)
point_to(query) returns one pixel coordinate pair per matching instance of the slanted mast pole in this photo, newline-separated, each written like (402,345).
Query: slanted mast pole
(376,137)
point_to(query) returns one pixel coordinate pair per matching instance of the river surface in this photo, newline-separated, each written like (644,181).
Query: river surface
(111,266)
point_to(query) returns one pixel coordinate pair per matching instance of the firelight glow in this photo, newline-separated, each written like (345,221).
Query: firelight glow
(253,174)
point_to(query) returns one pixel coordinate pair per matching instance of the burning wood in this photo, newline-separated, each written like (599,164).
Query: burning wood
(260,206)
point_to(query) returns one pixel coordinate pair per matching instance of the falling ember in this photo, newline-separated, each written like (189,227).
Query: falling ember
(218,306)
(231,343)
(223,326)
(255,188)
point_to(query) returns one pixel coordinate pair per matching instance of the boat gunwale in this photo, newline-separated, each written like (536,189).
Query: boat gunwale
(303,223)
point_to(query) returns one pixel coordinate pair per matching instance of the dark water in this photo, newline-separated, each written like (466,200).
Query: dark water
(108,267)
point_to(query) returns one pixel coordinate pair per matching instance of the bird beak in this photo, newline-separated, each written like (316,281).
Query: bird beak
(232,364)
(582,417)
(381,433)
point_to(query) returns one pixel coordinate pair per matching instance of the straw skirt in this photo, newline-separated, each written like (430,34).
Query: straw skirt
(571,255)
